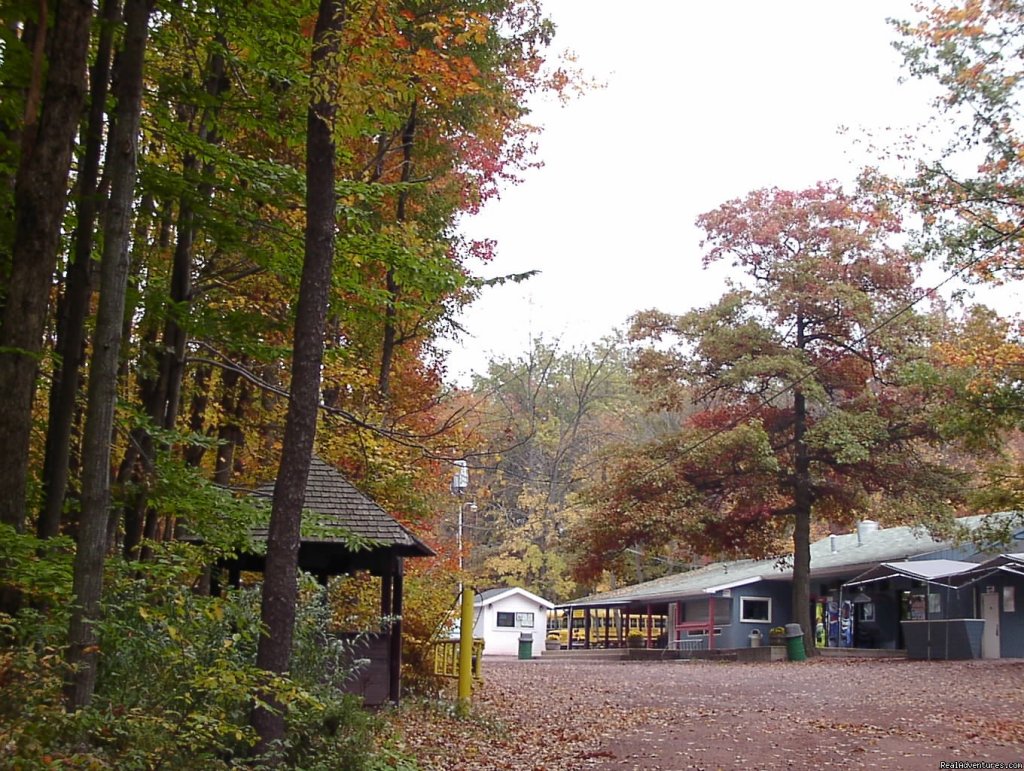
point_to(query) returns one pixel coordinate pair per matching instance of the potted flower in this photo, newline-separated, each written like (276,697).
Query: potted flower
(777,635)
(635,639)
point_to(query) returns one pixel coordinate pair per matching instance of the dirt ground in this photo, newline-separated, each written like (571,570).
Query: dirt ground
(661,716)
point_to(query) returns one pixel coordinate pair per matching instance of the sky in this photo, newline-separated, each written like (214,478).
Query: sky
(702,102)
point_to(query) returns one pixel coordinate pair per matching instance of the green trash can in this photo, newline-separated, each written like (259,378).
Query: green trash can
(525,646)
(795,643)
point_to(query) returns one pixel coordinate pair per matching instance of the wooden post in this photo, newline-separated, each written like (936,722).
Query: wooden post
(711,622)
(395,642)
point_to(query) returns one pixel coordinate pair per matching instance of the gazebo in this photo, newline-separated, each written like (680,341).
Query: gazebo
(336,505)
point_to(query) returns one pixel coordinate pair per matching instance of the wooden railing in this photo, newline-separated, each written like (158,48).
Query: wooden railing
(446,658)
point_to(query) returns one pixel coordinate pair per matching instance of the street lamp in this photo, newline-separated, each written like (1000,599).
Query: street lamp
(460,483)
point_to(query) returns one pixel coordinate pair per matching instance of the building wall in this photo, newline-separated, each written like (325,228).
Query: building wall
(735,632)
(779,594)
(372,678)
(1011,622)
(502,640)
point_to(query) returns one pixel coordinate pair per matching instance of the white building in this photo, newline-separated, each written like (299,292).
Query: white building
(500,616)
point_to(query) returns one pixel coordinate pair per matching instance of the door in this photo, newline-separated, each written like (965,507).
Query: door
(990,636)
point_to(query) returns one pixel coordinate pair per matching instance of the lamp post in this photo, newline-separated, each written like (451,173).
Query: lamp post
(460,482)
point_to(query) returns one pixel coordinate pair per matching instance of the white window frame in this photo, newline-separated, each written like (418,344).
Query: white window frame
(743,607)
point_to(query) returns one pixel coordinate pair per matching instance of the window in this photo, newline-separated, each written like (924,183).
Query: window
(756,609)
(515,620)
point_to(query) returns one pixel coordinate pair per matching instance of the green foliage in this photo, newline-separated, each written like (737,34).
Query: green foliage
(177,674)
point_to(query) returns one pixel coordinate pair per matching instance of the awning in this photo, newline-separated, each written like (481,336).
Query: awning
(932,571)
(1004,563)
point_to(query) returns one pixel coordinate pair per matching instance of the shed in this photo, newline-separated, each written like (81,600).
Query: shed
(334,507)
(500,616)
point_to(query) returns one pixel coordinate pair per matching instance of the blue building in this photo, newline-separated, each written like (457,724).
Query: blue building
(736,604)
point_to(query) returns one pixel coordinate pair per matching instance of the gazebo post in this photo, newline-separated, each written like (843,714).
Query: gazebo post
(395,658)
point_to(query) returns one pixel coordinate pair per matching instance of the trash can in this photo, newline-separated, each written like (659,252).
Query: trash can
(525,646)
(755,638)
(795,643)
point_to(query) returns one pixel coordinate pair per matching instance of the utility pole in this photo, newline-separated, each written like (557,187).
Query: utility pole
(460,483)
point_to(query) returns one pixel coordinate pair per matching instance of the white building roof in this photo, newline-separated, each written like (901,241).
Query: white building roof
(932,571)
(492,596)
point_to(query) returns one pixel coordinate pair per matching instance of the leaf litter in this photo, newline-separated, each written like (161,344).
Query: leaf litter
(564,715)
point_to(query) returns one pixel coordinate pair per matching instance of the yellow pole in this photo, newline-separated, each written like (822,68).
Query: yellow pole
(466,650)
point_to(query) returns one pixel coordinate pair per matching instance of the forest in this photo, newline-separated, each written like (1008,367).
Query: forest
(230,242)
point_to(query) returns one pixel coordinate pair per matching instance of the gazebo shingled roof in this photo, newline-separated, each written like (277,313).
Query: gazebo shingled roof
(338,505)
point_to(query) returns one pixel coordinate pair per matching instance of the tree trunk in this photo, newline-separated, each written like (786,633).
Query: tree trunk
(122,163)
(39,199)
(233,404)
(387,356)
(802,511)
(280,589)
(162,398)
(197,412)
(77,289)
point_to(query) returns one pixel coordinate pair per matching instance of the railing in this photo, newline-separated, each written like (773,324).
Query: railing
(685,640)
(446,658)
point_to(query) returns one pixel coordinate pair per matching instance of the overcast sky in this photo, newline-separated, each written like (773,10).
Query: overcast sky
(703,102)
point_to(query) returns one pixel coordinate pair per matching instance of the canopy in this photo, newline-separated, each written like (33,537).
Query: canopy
(1004,563)
(932,571)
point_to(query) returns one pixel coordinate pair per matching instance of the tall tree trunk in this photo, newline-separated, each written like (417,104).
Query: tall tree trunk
(77,288)
(280,589)
(234,401)
(197,410)
(39,199)
(164,399)
(387,356)
(802,510)
(122,164)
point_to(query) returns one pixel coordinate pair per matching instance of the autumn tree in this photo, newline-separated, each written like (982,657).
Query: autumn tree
(799,376)
(122,167)
(280,585)
(969,196)
(544,418)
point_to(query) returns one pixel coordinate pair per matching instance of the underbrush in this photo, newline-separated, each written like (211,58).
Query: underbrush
(177,676)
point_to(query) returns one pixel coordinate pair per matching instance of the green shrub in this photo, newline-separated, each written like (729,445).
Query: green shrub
(177,675)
